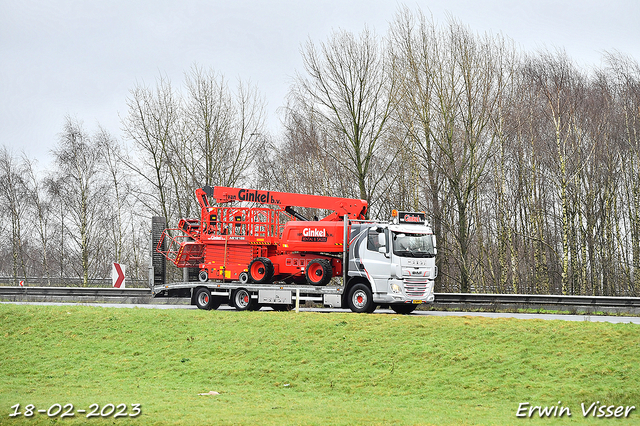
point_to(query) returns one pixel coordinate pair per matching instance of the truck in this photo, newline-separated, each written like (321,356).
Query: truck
(251,248)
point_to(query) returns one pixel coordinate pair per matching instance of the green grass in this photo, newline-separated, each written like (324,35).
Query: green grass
(310,368)
(500,309)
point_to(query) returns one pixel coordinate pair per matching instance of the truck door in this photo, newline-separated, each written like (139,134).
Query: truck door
(377,265)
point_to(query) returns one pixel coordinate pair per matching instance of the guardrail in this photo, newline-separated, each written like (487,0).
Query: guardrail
(537,300)
(72,292)
(442,299)
(69,282)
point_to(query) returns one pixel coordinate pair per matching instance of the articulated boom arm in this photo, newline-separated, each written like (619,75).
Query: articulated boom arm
(350,207)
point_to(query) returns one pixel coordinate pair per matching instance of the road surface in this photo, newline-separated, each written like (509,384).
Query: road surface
(590,318)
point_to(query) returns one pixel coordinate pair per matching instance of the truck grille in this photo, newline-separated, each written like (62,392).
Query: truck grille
(414,289)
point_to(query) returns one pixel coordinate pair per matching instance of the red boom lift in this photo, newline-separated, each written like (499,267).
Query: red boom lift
(262,244)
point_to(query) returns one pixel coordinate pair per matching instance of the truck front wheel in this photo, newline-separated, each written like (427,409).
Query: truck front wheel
(360,299)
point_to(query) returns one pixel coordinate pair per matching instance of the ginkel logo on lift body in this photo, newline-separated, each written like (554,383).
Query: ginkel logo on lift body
(314,235)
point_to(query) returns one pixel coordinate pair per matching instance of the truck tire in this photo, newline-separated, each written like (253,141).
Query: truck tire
(360,299)
(242,301)
(243,278)
(203,276)
(204,300)
(403,308)
(319,272)
(261,270)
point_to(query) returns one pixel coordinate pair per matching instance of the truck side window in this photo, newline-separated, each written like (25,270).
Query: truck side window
(372,240)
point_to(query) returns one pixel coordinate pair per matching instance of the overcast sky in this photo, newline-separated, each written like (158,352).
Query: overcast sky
(81,57)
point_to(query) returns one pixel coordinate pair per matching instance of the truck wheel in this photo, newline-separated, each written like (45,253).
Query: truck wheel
(242,301)
(319,272)
(243,278)
(204,300)
(404,308)
(261,270)
(361,299)
(203,276)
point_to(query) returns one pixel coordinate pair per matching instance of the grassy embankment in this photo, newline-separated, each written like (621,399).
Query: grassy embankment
(310,368)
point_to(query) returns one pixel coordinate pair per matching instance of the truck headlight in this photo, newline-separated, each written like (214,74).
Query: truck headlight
(395,288)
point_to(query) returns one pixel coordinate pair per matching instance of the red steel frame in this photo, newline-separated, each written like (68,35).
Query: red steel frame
(226,239)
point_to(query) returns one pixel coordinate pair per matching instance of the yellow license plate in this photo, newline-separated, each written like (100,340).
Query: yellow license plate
(416,302)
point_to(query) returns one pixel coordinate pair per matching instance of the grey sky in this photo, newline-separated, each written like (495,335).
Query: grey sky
(81,57)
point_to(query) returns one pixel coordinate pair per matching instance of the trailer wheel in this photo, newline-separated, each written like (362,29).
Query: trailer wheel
(404,308)
(360,299)
(204,300)
(203,276)
(319,272)
(261,270)
(242,301)
(243,278)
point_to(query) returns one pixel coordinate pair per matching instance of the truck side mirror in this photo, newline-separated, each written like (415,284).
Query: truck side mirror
(382,240)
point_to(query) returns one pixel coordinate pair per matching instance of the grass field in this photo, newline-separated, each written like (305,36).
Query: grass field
(309,368)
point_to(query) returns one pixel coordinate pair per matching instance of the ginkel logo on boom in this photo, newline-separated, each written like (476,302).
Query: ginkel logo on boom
(256,196)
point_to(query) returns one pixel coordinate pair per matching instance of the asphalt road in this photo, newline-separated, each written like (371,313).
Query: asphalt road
(590,318)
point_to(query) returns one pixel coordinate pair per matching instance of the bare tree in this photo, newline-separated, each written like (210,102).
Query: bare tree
(14,202)
(77,157)
(529,186)
(413,44)
(562,88)
(53,185)
(348,89)
(623,74)
(452,83)
(152,124)
(206,135)
(301,163)
(117,191)
(225,129)
(41,211)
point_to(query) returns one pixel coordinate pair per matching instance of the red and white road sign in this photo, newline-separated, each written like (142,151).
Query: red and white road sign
(21,283)
(117,275)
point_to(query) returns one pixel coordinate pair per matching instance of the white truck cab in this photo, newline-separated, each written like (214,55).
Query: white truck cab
(395,260)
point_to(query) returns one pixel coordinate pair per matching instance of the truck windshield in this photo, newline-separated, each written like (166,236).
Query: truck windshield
(413,245)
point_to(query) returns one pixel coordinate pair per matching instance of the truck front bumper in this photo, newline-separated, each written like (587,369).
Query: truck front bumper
(404,291)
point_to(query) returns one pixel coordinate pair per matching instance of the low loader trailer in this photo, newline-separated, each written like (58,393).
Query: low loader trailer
(249,257)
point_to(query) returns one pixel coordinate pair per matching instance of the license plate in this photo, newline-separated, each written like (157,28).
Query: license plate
(416,302)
